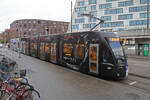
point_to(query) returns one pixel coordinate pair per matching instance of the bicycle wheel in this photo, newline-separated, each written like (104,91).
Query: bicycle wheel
(22,87)
(4,94)
(24,80)
(31,94)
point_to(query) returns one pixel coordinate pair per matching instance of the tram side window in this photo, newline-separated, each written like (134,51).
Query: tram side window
(47,46)
(107,56)
(68,49)
(79,51)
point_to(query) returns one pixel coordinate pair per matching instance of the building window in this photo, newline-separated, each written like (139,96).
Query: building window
(80,3)
(29,33)
(79,15)
(39,22)
(125,3)
(79,20)
(110,0)
(137,22)
(144,1)
(80,9)
(126,16)
(93,7)
(143,15)
(112,24)
(137,9)
(34,21)
(121,29)
(25,26)
(92,20)
(34,26)
(113,11)
(103,6)
(94,13)
(107,18)
(86,26)
(25,33)
(93,24)
(75,26)
(92,1)
(29,26)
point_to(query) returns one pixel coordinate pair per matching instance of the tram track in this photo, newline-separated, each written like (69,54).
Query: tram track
(138,82)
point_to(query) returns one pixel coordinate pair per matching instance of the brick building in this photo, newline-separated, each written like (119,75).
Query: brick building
(33,27)
(9,34)
(1,37)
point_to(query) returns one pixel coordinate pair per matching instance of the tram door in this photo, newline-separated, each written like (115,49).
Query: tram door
(93,58)
(53,52)
(42,53)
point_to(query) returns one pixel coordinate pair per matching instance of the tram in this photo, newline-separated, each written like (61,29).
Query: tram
(92,52)
(14,44)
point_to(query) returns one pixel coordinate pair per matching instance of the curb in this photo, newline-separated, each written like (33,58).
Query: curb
(145,77)
(139,57)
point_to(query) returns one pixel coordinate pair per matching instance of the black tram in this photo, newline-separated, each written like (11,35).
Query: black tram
(33,46)
(96,53)
(25,45)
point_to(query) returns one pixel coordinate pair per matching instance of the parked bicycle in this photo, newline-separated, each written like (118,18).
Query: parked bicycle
(14,85)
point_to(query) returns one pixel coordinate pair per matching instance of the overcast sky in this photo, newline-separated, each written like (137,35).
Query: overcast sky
(11,10)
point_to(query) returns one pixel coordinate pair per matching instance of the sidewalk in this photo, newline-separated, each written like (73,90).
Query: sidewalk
(139,57)
(139,66)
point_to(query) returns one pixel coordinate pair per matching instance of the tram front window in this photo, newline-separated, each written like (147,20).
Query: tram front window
(107,57)
(116,48)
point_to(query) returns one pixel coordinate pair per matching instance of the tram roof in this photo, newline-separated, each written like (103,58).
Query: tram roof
(102,33)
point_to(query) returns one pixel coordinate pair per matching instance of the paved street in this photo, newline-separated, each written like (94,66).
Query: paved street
(58,83)
(139,66)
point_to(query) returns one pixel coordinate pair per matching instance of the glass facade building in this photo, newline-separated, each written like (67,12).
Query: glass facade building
(119,15)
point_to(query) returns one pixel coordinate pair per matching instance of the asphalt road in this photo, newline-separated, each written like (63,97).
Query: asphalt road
(139,66)
(58,83)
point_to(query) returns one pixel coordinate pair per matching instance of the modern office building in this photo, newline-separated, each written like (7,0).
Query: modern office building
(126,17)
(119,15)
(34,27)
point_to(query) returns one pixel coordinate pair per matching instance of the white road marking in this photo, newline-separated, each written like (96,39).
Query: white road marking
(132,83)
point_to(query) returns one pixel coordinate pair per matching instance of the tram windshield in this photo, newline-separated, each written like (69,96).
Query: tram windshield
(116,47)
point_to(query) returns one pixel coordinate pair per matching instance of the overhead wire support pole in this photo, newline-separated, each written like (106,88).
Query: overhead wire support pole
(147,15)
(20,45)
(95,26)
(71,17)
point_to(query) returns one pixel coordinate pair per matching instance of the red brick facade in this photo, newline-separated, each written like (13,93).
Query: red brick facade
(33,27)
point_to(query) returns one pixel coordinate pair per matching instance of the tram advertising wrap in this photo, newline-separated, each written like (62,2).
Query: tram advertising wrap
(96,53)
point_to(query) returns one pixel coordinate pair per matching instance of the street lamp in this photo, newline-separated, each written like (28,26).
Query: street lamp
(91,16)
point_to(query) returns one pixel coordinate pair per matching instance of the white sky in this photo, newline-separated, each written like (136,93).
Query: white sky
(11,10)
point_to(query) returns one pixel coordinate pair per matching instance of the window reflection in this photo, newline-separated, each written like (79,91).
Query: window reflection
(68,49)
(93,53)
(107,56)
(79,51)
(53,52)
